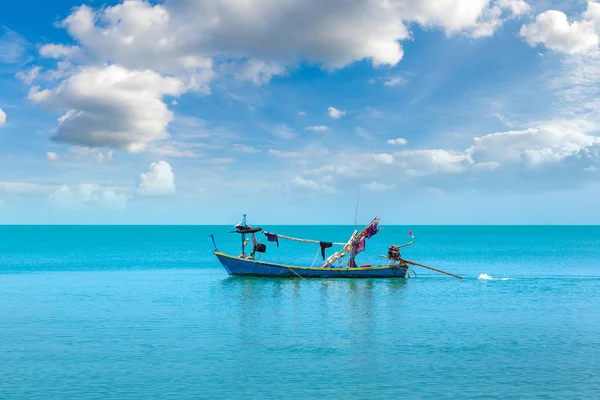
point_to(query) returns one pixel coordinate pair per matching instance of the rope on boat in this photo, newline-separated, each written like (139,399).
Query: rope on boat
(304,240)
(297,274)
(316,256)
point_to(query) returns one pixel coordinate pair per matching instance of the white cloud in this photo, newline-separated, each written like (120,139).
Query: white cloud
(244,149)
(22,188)
(363,133)
(52,156)
(282,131)
(101,158)
(383,158)
(2,117)
(317,128)
(138,52)
(414,163)
(158,181)
(57,51)
(475,18)
(174,149)
(398,141)
(395,81)
(284,154)
(88,195)
(13,47)
(111,106)
(377,187)
(301,113)
(548,142)
(553,29)
(306,184)
(517,7)
(138,34)
(29,76)
(335,113)
(258,72)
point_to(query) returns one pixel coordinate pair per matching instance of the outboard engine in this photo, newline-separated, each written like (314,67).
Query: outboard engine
(394,253)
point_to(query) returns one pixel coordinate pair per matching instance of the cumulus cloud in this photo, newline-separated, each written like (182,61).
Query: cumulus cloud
(566,148)
(398,141)
(335,113)
(138,52)
(52,156)
(553,29)
(158,181)
(166,36)
(548,142)
(317,128)
(111,106)
(258,72)
(2,117)
(88,195)
(517,7)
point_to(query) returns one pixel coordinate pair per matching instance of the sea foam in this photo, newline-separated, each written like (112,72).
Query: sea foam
(486,277)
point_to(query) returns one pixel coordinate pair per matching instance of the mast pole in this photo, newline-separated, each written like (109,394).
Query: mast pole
(356,213)
(244,237)
(243,246)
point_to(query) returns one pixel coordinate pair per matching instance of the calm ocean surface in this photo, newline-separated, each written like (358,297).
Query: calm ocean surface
(146,312)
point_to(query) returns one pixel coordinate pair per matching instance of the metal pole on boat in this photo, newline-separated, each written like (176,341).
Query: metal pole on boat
(243,245)
(244,237)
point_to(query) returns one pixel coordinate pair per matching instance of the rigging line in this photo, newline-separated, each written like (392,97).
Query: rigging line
(315,260)
(297,274)
(304,240)
(356,213)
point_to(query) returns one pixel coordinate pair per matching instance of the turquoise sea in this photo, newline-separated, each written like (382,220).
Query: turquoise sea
(146,312)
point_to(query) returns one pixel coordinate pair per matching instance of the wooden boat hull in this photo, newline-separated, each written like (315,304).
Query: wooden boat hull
(236,266)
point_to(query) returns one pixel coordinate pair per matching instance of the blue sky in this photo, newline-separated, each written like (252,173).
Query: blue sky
(196,111)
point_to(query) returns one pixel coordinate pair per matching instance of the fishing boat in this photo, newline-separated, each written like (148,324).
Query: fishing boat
(340,264)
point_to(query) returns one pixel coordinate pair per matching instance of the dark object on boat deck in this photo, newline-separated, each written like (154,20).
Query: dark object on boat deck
(260,247)
(394,253)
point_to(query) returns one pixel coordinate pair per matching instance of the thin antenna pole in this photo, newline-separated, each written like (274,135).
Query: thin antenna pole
(356,213)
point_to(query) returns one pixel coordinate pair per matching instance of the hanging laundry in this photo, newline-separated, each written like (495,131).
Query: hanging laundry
(358,246)
(272,237)
(371,230)
(324,245)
